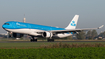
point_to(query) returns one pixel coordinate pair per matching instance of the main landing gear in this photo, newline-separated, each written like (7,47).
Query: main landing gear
(50,40)
(33,39)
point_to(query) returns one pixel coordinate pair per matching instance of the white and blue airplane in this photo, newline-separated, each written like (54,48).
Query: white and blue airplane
(35,30)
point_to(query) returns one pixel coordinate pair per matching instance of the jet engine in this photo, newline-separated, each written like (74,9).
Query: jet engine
(47,34)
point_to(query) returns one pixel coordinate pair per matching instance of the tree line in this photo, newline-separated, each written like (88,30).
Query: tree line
(91,34)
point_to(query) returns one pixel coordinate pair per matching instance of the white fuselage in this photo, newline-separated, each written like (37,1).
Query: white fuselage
(34,32)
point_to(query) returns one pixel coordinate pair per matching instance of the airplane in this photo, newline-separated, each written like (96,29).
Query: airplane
(49,32)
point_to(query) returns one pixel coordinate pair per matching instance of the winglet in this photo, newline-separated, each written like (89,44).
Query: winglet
(101,26)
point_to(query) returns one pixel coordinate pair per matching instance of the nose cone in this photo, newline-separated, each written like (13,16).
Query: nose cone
(6,25)
(3,26)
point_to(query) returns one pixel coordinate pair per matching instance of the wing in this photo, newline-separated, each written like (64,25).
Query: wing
(74,30)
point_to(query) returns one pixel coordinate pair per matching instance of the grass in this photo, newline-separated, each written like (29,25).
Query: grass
(54,53)
(20,45)
(38,44)
(5,43)
(52,50)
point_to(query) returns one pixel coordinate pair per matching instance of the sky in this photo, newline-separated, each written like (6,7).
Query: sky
(56,13)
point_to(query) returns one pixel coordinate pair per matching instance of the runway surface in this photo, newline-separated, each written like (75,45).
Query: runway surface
(44,41)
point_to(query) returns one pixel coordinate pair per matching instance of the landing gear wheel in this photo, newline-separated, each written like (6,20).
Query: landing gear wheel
(35,40)
(31,40)
(50,40)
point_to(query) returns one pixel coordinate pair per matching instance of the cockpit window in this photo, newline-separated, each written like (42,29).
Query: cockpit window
(6,23)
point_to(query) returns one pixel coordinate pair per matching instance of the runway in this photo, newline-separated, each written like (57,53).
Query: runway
(44,41)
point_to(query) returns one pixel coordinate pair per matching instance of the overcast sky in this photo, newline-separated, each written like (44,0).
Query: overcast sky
(54,12)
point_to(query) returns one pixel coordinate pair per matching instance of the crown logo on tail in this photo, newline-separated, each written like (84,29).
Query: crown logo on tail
(73,23)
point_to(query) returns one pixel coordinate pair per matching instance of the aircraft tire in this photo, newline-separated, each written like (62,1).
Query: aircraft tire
(31,40)
(50,40)
(35,40)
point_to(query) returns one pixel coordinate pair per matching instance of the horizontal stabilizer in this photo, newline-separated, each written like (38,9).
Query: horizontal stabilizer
(101,26)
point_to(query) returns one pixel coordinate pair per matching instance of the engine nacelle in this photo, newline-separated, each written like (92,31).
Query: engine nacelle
(47,34)
(17,35)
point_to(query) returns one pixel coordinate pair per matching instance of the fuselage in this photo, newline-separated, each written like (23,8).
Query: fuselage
(31,29)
